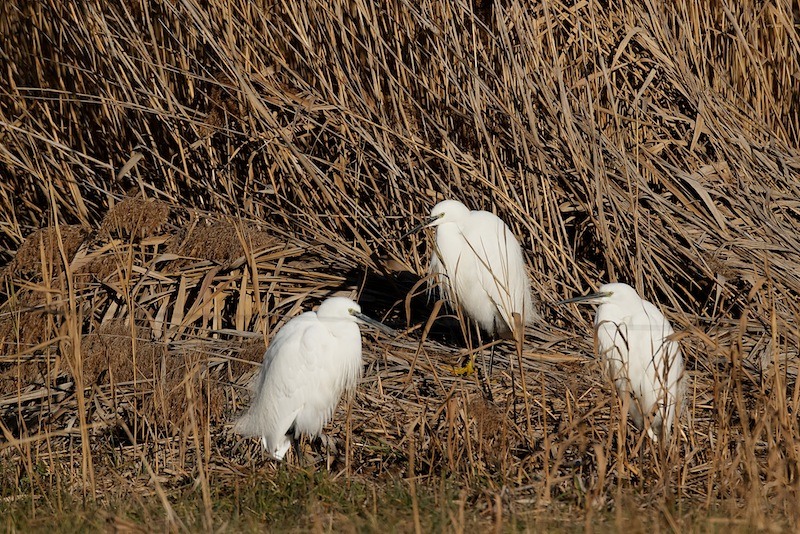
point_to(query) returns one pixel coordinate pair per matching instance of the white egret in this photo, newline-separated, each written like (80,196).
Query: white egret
(311,361)
(480,268)
(633,339)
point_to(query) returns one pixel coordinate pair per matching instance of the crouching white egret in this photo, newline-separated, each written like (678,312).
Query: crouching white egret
(633,339)
(480,268)
(311,361)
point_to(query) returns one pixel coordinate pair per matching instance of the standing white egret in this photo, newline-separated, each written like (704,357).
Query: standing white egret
(633,339)
(310,362)
(480,268)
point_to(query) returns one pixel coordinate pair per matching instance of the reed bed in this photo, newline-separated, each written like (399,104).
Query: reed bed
(182,177)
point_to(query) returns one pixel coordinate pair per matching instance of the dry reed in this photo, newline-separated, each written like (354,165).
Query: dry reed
(181,177)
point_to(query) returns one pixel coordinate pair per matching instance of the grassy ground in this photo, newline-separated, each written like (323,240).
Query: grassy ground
(180,178)
(288,499)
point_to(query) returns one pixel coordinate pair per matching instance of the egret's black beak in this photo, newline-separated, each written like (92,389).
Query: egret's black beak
(370,321)
(428,221)
(591,298)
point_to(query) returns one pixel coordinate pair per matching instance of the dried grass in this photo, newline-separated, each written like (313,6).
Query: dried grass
(204,171)
(134,218)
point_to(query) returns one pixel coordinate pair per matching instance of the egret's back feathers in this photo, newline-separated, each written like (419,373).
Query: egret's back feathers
(311,361)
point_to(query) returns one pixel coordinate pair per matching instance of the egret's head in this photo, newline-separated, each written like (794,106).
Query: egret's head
(338,308)
(447,211)
(617,293)
(620,294)
(344,308)
(443,212)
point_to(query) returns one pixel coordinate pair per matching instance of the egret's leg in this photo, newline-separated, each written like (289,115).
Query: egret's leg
(483,377)
(327,449)
(491,354)
(483,360)
(484,383)
(297,447)
(469,368)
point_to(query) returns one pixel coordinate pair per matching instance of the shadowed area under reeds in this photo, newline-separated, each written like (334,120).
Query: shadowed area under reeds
(180,178)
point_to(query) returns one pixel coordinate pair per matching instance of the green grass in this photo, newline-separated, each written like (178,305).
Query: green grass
(285,498)
(282,498)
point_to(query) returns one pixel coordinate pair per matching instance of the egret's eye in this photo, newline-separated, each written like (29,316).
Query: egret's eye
(351,311)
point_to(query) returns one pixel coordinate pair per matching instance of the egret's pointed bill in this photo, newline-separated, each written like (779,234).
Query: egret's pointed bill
(373,322)
(427,222)
(588,299)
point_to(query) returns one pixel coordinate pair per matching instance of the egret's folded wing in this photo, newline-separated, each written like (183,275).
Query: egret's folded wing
(612,346)
(667,356)
(277,398)
(498,258)
(319,351)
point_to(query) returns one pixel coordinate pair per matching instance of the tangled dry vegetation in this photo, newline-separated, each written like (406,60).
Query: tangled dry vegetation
(179,178)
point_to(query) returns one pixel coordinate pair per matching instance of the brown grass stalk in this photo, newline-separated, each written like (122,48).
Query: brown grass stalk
(182,178)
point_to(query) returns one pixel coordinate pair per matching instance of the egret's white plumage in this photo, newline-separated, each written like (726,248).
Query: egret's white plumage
(480,266)
(310,362)
(633,339)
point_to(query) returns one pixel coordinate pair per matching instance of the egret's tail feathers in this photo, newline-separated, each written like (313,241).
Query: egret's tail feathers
(280,449)
(244,426)
(248,426)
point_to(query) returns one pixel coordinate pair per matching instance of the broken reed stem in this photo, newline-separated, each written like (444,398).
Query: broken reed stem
(74,321)
(412,484)
(519,329)
(202,472)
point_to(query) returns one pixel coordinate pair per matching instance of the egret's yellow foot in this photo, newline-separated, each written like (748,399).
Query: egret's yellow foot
(466,370)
